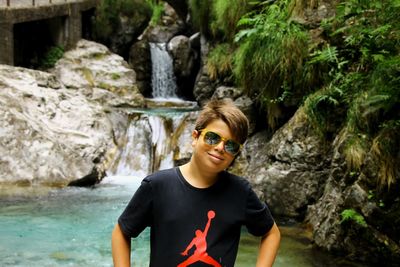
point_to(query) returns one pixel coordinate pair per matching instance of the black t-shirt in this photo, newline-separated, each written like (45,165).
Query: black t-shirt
(192,226)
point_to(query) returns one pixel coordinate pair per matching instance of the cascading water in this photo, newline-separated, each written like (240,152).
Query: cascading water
(134,156)
(147,147)
(163,78)
(148,140)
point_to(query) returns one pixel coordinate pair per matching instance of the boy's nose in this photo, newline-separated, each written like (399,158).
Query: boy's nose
(220,146)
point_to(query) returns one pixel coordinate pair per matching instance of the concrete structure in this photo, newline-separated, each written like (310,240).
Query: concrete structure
(64,22)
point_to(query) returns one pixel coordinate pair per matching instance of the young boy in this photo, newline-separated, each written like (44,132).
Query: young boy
(195,211)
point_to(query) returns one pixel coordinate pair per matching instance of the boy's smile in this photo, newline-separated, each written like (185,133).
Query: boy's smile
(216,157)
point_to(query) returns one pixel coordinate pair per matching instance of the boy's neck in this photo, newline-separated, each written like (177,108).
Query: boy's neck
(197,178)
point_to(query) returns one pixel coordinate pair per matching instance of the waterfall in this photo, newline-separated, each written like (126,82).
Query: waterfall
(162,77)
(148,144)
(162,153)
(133,159)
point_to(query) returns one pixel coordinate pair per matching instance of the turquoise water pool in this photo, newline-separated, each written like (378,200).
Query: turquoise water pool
(72,227)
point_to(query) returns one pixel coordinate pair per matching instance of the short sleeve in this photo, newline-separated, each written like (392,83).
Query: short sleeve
(258,217)
(138,213)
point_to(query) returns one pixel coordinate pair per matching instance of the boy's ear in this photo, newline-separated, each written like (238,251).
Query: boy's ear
(195,136)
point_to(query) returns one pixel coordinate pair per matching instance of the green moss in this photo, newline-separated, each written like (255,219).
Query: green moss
(105,86)
(88,75)
(115,76)
(352,215)
(97,55)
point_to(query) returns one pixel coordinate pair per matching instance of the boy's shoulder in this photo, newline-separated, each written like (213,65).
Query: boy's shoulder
(235,180)
(161,176)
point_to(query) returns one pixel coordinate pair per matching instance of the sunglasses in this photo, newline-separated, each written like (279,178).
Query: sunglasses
(212,138)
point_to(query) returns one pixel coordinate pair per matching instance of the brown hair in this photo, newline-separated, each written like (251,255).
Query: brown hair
(227,111)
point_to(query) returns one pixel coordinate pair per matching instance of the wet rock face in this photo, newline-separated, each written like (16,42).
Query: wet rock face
(185,63)
(140,60)
(344,190)
(181,7)
(179,48)
(49,134)
(291,164)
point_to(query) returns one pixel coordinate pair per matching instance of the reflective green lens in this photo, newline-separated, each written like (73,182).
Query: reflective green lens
(212,138)
(232,147)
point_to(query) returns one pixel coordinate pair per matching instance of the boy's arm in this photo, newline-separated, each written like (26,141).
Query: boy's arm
(121,248)
(269,247)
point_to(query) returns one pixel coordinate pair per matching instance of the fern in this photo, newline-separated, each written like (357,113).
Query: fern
(269,62)
(328,55)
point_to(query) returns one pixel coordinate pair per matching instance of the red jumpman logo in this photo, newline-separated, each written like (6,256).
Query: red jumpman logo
(200,254)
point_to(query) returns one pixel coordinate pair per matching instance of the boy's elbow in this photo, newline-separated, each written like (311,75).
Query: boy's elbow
(117,235)
(116,231)
(273,233)
(276,231)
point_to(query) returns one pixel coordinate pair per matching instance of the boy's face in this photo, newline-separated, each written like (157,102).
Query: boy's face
(213,158)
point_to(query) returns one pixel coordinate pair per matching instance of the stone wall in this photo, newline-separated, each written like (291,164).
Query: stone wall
(71,29)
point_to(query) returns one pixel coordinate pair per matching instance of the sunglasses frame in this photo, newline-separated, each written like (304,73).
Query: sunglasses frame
(223,139)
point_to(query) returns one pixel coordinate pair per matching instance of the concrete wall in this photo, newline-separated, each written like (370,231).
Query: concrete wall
(70,33)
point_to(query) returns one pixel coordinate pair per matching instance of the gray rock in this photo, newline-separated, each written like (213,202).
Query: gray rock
(289,169)
(227,92)
(183,56)
(140,60)
(204,88)
(48,135)
(91,65)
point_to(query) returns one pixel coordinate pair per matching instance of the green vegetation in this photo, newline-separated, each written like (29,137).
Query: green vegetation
(348,83)
(265,51)
(201,14)
(157,8)
(226,16)
(218,19)
(219,62)
(107,20)
(362,85)
(270,60)
(352,215)
(51,57)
